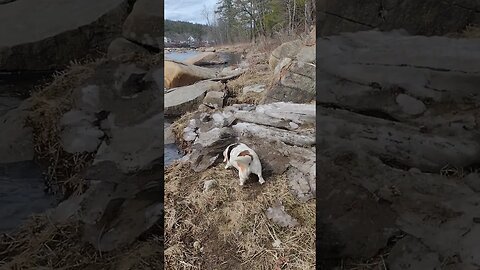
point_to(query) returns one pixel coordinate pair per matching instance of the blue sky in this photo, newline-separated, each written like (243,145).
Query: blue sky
(188,10)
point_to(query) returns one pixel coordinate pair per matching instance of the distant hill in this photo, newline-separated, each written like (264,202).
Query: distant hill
(182,30)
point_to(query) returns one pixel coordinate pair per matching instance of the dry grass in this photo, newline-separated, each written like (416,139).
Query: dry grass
(472,31)
(47,107)
(43,244)
(226,227)
(258,73)
(48,104)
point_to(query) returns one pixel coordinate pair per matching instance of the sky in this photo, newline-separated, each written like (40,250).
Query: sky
(188,10)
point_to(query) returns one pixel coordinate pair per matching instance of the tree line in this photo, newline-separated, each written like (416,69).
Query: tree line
(182,30)
(246,20)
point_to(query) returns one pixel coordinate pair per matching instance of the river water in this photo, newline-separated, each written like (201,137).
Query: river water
(171,150)
(22,184)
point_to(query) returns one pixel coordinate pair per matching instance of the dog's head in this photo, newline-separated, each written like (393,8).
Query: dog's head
(227,151)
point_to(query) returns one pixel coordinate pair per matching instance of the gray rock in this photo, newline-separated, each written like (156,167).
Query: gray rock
(410,105)
(214,99)
(473,181)
(78,133)
(183,99)
(207,58)
(73,30)
(8,103)
(278,215)
(132,148)
(128,80)
(256,88)
(345,16)
(87,98)
(372,71)
(207,185)
(178,74)
(168,137)
(293,81)
(215,132)
(410,253)
(209,146)
(408,146)
(121,46)
(145,23)
(286,50)
(16,138)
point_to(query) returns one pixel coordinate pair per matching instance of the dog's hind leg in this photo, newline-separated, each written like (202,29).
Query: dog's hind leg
(242,175)
(260,179)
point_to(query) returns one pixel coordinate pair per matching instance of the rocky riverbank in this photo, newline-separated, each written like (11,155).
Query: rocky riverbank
(210,221)
(399,151)
(95,128)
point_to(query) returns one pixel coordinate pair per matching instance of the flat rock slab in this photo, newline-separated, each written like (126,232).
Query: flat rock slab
(293,81)
(206,58)
(214,99)
(122,46)
(8,103)
(182,99)
(73,29)
(406,77)
(179,74)
(338,16)
(407,146)
(16,138)
(145,23)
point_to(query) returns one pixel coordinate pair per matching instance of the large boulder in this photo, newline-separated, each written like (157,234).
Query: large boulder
(145,23)
(286,50)
(429,17)
(16,138)
(179,74)
(206,58)
(399,149)
(293,64)
(428,81)
(293,81)
(183,99)
(74,30)
(302,50)
(121,46)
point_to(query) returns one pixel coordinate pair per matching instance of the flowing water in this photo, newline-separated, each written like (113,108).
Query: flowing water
(172,151)
(22,194)
(22,186)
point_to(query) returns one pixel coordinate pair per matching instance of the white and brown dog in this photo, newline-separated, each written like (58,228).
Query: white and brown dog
(245,160)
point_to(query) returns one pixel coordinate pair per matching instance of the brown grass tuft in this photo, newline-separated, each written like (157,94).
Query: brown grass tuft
(226,227)
(40,243)
(48,104)
(472,31)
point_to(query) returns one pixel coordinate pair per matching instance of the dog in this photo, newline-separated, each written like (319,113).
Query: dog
(245,160)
